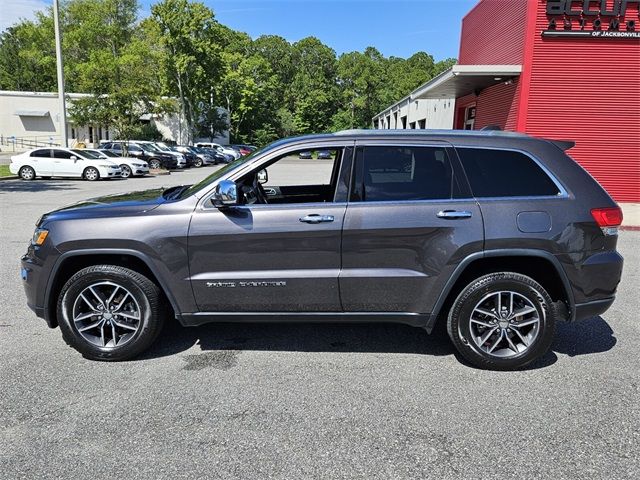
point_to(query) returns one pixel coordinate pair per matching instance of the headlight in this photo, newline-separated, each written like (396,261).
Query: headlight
(106,166)
(39,236)
(138,164)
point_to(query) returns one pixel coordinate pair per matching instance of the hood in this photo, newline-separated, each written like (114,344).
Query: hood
(109,206)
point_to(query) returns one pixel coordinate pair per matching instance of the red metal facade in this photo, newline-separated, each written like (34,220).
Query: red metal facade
(583,89)
(498,105)
(493,33)
(588,90)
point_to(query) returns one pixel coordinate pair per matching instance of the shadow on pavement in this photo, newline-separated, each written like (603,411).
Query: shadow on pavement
(8,186)
(581,338)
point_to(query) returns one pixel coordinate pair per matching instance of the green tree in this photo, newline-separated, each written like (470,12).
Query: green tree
(27,55)
(313,89)
(191,54)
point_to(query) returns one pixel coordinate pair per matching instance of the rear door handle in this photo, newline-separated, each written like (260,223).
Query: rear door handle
(314,218)
(453,214)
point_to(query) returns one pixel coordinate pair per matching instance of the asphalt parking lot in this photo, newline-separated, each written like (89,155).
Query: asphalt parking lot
(306,401)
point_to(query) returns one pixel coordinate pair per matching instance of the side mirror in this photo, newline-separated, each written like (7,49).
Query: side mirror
(226,194)
(73,157)
(263,176)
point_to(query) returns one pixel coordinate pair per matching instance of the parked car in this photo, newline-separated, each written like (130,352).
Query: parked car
(498,235)
(154,158)
(129,166)
(183,162)
(226,150)
(62,162)
(243,149)
(305,155)
(192,159)
(324,155)
(208,156)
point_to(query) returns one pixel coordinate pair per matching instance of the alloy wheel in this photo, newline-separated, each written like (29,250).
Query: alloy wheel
(504,324)
(27,173)
(91,174)
(126,171)
(106,314)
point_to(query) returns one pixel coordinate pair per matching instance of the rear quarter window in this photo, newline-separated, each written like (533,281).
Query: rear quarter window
(505,173)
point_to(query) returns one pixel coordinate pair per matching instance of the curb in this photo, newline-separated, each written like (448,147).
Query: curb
(157,173)
(10,177)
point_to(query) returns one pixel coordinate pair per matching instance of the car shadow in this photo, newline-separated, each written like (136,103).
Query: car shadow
(573,339)
(9,186)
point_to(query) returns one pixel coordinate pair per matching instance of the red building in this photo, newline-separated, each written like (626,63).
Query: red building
(561,69)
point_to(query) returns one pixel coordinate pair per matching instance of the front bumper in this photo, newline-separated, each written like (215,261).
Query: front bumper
(34,269)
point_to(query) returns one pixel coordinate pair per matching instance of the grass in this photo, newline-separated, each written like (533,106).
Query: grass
(4,171)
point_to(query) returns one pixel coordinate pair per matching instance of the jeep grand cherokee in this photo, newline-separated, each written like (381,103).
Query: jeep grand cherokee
(499,235)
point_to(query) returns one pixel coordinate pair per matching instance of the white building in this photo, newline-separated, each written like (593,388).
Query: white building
(414,113)
(31,119)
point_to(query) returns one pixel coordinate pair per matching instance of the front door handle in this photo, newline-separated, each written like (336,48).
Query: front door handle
(453,214)
(314,218)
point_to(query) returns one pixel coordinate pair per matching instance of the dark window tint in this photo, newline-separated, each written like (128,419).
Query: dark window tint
(402,173)
(504,173)
(61,154)
(41,153)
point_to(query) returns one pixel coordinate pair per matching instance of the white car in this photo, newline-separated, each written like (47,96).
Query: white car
(62,162)
(226,150)
(130,166)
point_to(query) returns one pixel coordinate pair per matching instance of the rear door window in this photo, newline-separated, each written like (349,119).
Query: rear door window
(62,154)
(42,153)
(505,173)
(397,173)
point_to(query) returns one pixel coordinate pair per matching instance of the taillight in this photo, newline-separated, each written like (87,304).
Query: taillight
(608,219)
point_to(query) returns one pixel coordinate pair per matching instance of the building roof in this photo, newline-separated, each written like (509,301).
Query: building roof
(461,80)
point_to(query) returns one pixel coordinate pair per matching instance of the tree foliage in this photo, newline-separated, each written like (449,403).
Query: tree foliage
(269,87)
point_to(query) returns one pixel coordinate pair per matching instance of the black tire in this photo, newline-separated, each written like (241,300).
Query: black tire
(126,171)
(539,337)
(154,164)
(91,174)
(27,173)
(144,292)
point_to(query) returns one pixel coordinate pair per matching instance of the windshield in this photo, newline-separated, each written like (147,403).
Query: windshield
(107,153)
(219,173)
(87,154)
(163,147)
(150,146)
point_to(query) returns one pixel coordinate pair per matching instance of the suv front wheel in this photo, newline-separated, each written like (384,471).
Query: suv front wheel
(502,321)
(107,312)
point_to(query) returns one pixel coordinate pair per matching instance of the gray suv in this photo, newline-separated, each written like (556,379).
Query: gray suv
(499,235)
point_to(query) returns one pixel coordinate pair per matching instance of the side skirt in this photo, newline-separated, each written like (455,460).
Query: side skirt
(201,318)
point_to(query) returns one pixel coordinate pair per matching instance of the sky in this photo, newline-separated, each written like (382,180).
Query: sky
(396,28)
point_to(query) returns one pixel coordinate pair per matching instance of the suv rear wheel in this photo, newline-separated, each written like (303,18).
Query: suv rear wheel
(154,164)
(107,312)
(502,321)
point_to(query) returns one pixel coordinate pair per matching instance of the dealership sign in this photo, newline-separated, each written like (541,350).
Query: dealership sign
(593,18)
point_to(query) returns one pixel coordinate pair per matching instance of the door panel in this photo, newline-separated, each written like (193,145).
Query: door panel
(42,161)
(410,221)
(397,257)
(263,258)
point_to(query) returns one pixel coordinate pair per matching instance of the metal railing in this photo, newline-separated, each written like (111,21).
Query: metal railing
(25,143)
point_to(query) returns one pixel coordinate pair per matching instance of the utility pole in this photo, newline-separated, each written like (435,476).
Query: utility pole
(60,69)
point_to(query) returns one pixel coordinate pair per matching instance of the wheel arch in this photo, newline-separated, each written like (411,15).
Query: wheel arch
(546,270)
(71,262)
